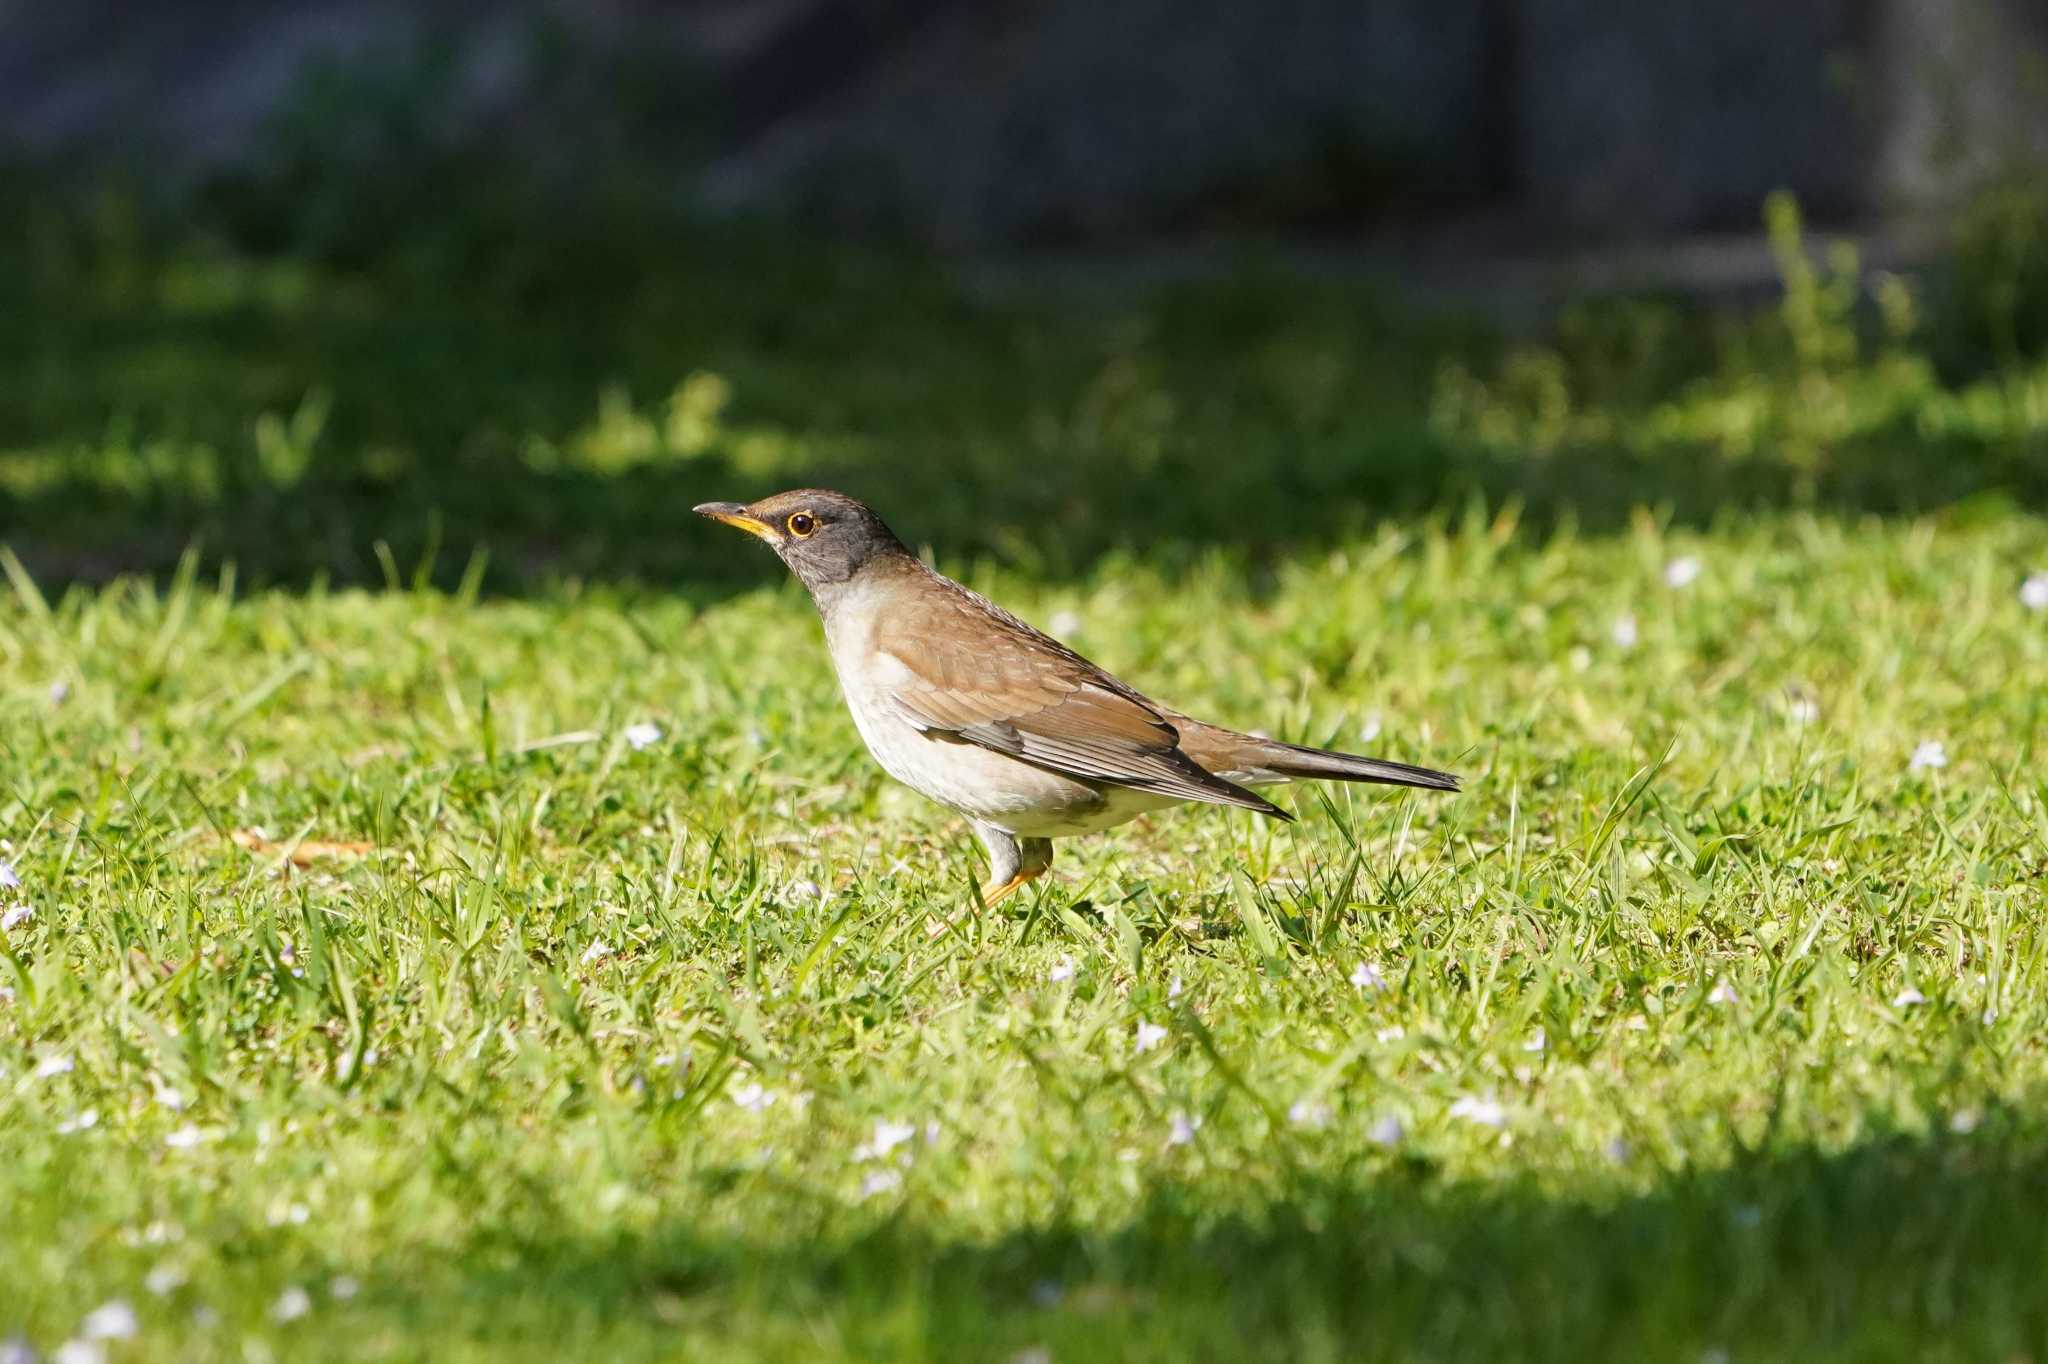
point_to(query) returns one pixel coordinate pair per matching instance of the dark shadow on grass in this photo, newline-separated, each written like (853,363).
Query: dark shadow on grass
(1901,1248)
(288,418)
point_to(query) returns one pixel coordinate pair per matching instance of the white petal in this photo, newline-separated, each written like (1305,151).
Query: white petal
(1486,1110)
(291,1304)
(1929,753)
(1682,571)
(2034,592)
(642,735)
(112,1320)
(1624,632)
(1150,1035)
(890,1135)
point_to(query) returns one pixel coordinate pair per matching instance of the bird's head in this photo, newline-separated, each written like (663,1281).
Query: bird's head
(824,537)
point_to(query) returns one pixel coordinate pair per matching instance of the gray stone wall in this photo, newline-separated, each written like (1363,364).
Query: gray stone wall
(990,123)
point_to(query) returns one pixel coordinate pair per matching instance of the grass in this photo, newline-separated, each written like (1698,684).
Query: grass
(592,1052)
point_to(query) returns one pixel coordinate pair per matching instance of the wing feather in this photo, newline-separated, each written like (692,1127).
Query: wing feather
(1019,692)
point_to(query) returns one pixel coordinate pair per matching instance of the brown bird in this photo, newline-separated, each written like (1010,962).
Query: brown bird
(966,704)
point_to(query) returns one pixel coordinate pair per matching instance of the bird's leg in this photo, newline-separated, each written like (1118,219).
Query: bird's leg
(1012,862)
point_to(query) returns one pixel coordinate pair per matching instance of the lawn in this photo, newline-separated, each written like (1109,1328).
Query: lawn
(641,1017)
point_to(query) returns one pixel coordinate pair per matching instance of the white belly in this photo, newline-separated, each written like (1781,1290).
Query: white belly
(982,784)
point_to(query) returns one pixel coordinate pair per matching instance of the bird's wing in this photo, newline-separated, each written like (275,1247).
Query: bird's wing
(1024,694)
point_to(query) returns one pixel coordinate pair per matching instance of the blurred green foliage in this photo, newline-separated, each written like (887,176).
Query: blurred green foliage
(1994,290)
(311,382)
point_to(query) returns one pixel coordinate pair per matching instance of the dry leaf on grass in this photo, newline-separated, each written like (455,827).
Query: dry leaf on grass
(304,853)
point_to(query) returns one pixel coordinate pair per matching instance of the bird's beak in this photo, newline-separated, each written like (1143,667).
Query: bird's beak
(734,514)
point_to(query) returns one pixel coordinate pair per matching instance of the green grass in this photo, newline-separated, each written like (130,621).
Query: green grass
(487,1076)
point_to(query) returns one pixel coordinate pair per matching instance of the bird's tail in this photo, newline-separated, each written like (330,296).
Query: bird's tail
(1321,764)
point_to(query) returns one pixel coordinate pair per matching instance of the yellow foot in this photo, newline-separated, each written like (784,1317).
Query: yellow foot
(994,894)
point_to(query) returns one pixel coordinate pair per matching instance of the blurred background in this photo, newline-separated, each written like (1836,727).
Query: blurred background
(397,292)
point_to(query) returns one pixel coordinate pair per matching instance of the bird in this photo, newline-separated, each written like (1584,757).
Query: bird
(968,705)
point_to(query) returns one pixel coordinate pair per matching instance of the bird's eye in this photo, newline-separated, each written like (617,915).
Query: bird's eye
(801,524)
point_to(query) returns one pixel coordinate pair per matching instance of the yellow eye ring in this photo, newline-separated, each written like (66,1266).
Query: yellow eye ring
(801,524)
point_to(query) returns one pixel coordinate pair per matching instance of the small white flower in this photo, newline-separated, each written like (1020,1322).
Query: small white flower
(1722,993)
(1062,971)
(888,1136)
(1802,710)
(806,889)
(164,1279)
(932,1131)
(1367,977)
(56,1063)
(2034,592)
(15,1350)
(1538,1040)
(1181,1129)
(1964,1121)
(111,1320)
(1486,1111)
(342,1287)
(1309,1113)
(79,1123)
(597,951)
(880,1182)
(642,735)
(291,1304)
(60,692)
(1150,1035)
(1370,730)
(1682,571)
(79,1352)
(170,1098)
(1393,1033)
(1173,988)
(1388,1131)
(16,916)
(184,1138)
(753,1098)
(1581,658)
(1929,753)
(1624,632)
(1063,623)
(8,880)
(1618,1150)
(1907,998)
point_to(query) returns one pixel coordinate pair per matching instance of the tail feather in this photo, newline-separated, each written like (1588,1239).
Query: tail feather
(1293,760)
